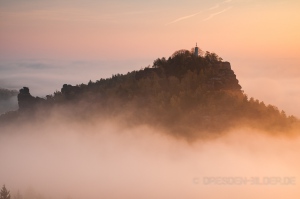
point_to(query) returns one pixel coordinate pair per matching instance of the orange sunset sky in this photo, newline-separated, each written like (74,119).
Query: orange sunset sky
(44,44)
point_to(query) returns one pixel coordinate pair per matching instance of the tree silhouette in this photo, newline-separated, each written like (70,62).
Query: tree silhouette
(4,193)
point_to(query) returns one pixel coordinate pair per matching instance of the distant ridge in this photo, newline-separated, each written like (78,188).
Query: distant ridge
(5,94)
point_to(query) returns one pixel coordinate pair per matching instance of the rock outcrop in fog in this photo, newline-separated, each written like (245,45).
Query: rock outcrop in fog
(185,95)
(27,101)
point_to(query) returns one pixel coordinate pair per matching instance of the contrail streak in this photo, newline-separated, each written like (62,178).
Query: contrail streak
(214,7)
(183,18)
(217,13)
(219,4)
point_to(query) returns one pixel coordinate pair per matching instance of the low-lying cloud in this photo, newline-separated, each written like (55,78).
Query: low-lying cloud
(64,159)
(10,104)
(44,77)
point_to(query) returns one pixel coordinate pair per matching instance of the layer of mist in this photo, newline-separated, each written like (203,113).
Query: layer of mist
(10,104)
(59,158)
(46,76)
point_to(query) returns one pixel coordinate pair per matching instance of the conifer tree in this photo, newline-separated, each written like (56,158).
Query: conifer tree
(4,193)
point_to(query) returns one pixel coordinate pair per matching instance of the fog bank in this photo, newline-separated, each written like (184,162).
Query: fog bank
(10,104)
(72,160)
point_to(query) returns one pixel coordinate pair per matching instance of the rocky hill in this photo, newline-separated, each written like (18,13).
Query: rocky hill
(186,95)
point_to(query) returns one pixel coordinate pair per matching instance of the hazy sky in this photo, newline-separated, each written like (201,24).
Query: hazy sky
(45,43)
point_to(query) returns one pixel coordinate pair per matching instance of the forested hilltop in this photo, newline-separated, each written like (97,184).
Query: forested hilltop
(186,95)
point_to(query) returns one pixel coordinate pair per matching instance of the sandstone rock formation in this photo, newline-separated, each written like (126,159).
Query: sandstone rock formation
(26,101)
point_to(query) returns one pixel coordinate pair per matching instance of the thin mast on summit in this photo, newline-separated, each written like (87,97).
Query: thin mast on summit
(196,50)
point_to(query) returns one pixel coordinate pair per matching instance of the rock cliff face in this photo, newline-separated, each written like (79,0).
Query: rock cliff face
(224,78)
